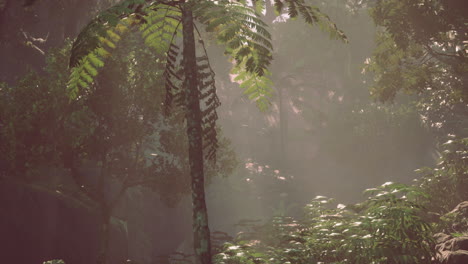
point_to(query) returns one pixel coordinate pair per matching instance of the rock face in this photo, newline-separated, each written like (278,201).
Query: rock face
(454,250)
(36,227)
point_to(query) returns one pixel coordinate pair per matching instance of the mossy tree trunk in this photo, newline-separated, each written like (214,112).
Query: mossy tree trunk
(201,232)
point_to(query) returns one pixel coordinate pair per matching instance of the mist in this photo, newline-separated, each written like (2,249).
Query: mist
(96,170)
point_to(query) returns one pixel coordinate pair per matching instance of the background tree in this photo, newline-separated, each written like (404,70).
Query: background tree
(422,50)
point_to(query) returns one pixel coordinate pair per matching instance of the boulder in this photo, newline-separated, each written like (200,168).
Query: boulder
(454,250)
(36,226)
(457,257)
(459,243)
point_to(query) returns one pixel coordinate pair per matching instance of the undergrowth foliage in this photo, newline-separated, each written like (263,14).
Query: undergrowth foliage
(448,181)
(395,224)
(387,228)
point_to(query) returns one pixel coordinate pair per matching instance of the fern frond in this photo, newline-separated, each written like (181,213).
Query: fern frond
(292,8)
(257,88)
(117,18)
(259,6)
(237,26)
(103,39)
(94,43)
(312,15)
(209,102)
(173,79)
(247,41)
(279,5)
(162,22)
(327,25)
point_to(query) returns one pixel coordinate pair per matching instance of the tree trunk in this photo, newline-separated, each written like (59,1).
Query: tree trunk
(283,118)
(201,232)
(106,211)
(104,236)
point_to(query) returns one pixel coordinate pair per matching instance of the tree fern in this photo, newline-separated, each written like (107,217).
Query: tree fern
(236,25)
(209,101)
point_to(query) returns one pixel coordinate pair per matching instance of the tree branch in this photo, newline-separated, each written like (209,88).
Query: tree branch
(29,41)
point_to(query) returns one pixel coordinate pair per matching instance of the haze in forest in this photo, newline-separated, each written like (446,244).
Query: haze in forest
(382,107)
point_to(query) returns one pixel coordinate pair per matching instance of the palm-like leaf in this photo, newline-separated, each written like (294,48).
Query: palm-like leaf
(241,30)
(247,42)
(85,66)
(95,41)
(161,25)
(312,16)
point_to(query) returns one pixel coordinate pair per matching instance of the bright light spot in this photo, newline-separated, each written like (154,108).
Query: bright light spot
(387,183)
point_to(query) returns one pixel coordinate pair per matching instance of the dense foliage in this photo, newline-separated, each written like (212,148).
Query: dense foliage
(89,152)
(395,224)
(420,46)
(41,131)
